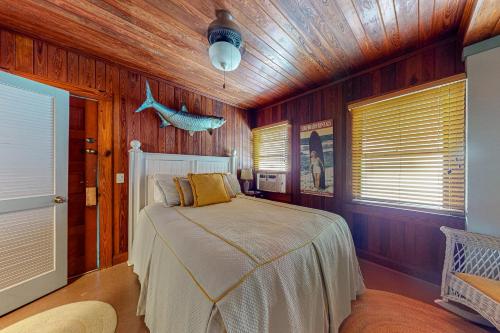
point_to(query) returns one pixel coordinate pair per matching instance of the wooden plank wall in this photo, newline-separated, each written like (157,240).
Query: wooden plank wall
(405,240)
(38,59)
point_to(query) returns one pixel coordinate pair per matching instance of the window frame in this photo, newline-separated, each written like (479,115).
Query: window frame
(289,147)
(349,156)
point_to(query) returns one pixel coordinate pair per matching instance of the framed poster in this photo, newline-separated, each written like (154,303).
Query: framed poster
(316,158)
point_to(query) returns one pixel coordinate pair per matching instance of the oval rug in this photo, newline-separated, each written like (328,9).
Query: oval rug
(79,317)
(383,312)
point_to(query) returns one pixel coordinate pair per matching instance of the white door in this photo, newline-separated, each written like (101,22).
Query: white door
(33,188)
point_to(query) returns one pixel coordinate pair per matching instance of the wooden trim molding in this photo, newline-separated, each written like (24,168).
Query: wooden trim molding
(73,89)
(416,216)
(119,258)
(401,92)
(105,180)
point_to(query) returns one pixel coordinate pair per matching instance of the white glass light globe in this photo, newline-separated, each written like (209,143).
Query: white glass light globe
(224,56)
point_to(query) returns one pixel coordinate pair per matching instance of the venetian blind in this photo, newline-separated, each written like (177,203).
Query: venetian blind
(271,148)
(409,150)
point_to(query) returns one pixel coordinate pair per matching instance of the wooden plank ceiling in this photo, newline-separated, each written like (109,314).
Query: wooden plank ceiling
(481,20)
(291,45)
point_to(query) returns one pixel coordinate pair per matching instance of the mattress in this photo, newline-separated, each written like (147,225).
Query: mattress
(249,265)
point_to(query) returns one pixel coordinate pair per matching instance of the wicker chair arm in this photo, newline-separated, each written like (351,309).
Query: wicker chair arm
(472,238)
(472,253)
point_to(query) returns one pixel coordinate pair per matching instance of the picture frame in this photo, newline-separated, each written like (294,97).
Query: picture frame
(317,151)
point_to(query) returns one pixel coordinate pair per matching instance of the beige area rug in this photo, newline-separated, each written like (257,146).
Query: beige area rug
(79,317)
(383,312)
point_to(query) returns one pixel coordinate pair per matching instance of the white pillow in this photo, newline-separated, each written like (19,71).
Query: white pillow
(234,182)
(227,185)
(156,194)
(167,186)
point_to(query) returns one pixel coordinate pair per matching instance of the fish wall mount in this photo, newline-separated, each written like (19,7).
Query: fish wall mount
(180,119)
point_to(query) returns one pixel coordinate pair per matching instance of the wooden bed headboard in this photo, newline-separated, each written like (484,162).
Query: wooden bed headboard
(142,165)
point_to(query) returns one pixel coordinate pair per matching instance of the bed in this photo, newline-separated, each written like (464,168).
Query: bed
(249,265)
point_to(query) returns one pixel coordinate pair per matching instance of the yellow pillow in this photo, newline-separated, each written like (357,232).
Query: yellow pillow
(208,189)
(489,287)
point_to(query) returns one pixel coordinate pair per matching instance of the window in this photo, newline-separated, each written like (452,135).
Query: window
(270,147)
(409,150)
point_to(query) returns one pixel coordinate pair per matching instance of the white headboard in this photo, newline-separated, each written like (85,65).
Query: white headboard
(142,165)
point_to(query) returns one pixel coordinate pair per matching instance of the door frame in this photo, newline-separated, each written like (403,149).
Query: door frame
(105,181)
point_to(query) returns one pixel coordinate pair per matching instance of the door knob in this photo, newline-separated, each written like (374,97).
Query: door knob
(59,200)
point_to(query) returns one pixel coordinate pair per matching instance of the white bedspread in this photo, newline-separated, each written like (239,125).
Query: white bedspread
(250,265)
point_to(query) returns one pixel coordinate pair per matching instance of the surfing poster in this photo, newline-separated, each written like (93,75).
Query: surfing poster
(316,158)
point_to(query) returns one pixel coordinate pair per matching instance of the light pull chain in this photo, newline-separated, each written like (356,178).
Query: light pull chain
(224,84)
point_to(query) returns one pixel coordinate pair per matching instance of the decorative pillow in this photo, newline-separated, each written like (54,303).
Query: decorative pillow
(185,192)
(167,186)
(235,183)
(208,188)
(227,185)
(157,193)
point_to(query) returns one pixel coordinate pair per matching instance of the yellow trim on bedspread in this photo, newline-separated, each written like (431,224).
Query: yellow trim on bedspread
(285,205)
(239,248)
(236,246)
(243,278)
(179,260)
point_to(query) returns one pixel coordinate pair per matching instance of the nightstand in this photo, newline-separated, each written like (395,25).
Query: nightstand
(255,194)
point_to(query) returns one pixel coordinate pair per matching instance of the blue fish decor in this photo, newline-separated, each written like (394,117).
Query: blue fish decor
(180,119)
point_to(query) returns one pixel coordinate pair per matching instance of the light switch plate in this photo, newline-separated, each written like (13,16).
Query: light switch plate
(120,178)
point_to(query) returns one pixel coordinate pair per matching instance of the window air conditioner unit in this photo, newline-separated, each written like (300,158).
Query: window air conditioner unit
(271,182)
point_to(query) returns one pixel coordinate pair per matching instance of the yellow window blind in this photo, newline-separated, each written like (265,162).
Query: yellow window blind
(409,150)
(271,147)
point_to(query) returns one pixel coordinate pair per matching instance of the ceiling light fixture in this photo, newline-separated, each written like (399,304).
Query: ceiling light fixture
(226,43)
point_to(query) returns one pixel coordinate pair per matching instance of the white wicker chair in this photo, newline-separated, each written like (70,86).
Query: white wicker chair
(474,254)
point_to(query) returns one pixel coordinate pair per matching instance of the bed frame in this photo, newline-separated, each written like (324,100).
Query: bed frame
(142,165)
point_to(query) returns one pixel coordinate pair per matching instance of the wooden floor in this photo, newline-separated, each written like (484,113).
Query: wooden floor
(119,287)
